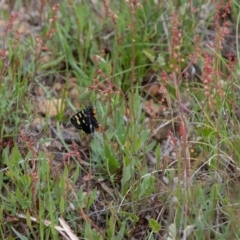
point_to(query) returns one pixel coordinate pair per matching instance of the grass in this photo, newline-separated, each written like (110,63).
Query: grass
(165,165)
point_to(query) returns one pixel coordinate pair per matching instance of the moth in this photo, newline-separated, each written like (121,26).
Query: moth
(85,120)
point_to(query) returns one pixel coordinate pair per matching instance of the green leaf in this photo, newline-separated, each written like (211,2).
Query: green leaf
(150,146)
(207,131)
(126,175)
(172,232)
(111,160)
(133,217)
(92,198)
(121,231)
(20,236)
(88,232)
(149,54)
(111,227)
(158,153)
(154,225)
(147,186)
